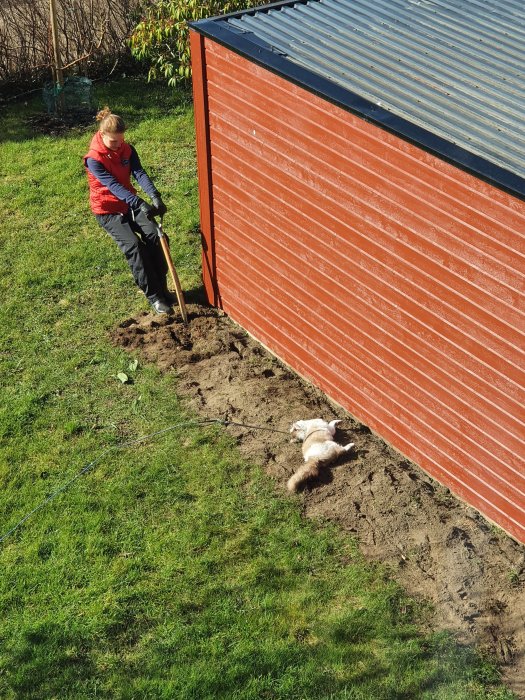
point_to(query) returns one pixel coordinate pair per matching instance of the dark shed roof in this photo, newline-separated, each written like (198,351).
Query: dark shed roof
(446,74)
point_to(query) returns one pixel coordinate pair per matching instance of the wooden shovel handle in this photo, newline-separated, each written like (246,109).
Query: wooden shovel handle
(174,277)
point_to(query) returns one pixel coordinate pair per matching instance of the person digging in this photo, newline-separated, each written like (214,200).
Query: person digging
(128,219)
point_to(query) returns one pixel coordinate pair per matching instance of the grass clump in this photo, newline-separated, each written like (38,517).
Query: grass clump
(170,569)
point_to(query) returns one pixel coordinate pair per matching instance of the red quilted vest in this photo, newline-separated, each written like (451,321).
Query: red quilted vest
(117,164)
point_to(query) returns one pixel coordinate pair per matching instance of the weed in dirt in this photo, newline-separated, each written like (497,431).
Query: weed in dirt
(172,569)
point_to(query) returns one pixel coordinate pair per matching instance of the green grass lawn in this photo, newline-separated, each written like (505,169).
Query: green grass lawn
(171,569)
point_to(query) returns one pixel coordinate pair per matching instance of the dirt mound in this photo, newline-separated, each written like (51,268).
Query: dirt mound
(436,546)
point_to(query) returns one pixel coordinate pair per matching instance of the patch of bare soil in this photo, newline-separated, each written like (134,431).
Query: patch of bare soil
(437,547)
(58,125)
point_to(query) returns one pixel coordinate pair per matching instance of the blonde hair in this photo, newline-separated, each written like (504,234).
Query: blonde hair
(110,123)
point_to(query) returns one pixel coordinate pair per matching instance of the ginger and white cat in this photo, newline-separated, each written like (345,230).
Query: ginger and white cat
(319,448)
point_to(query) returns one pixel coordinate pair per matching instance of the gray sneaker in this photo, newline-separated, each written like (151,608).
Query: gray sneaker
(160,306)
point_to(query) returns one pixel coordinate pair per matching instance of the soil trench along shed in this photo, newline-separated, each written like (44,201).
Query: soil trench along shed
(362,192)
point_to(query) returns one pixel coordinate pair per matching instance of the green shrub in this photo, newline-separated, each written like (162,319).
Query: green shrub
(162,38)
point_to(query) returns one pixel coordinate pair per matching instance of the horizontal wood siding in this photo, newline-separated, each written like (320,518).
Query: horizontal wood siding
(386,276)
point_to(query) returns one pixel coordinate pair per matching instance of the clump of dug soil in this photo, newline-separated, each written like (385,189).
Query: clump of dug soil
(437,547)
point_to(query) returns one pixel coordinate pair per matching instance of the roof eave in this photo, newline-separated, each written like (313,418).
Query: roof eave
(248,46)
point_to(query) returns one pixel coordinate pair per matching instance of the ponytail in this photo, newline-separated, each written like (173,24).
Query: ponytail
(110,123)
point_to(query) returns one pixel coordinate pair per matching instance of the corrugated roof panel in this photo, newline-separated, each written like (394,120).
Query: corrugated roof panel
(454,68)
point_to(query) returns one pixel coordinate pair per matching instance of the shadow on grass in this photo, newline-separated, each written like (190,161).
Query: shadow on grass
(47,659)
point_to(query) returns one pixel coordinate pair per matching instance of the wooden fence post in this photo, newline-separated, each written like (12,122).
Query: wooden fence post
(58,73)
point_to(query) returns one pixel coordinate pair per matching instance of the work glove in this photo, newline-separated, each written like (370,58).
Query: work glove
(146,209)
(159,205)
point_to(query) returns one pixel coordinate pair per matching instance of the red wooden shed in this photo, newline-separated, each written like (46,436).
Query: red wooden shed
(362,191)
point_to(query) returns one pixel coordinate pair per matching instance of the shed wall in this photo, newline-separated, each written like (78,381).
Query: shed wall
(386,276)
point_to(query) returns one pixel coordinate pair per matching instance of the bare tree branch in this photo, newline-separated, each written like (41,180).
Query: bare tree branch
(86,35)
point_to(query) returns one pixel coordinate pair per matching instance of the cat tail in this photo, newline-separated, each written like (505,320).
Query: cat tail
(309,470)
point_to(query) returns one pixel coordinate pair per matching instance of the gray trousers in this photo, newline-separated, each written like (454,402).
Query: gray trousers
(138,240)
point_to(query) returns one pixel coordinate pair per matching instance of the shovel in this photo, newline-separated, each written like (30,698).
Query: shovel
(178,289)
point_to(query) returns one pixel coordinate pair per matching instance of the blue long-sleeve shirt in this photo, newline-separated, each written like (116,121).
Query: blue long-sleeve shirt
(96,168)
